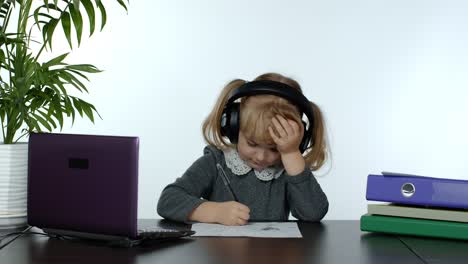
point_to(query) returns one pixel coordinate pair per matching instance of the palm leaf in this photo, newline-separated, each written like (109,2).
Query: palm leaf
(42,121)
(48,118)
(77,105)
(6,7)
(77,21)
(79,74)
(88,5)
(55,61)
(87,110)
(122,3)
(50,31)
(102,9)
(84,67)
(67,27)
(58,112)
(69,108)
(71,79)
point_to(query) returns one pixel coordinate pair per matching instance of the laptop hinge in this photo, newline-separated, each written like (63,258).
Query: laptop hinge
(86,235)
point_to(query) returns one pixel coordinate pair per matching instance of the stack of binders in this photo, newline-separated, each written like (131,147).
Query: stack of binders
(417,205)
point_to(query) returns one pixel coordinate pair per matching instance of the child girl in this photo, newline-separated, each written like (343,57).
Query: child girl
(263,149)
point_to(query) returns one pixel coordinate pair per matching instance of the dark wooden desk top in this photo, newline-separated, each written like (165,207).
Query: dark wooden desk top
(6,240)
(332,241)
(438,250)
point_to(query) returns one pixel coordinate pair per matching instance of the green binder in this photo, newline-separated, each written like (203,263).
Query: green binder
(413,226)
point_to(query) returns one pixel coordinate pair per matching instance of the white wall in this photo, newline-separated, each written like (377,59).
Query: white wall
(390,76)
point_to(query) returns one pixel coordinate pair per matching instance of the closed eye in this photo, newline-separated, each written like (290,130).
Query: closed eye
(251,143)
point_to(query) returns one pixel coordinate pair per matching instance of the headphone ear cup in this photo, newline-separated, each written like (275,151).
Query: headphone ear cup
(305,139)
(230,122)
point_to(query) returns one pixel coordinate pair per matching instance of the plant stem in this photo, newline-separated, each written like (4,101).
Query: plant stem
(9,135)
(9,66)
(21,137)
(40,51)
(3,130)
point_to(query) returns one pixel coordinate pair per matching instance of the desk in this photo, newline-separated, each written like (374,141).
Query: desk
(438,250)
(332,241)
(8,239)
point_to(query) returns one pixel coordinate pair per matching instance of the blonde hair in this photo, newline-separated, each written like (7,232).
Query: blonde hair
(256,118)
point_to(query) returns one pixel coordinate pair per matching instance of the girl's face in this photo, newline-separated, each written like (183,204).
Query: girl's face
(257,156)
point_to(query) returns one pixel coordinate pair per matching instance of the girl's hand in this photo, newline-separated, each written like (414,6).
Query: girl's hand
(232,213)
(286,134)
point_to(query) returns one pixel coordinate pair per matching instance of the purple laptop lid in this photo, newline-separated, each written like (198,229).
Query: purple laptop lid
(83,183)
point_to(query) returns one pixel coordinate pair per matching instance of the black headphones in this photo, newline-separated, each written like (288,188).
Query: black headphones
(230,119)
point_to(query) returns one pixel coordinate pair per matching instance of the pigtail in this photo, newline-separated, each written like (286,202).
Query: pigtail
(317,152)
(211,127)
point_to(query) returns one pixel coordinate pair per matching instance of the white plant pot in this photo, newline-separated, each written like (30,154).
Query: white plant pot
(13,185)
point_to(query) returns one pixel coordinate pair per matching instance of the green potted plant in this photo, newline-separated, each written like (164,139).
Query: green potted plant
(35,93)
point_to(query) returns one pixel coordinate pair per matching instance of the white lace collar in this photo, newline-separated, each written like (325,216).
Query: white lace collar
(240,167)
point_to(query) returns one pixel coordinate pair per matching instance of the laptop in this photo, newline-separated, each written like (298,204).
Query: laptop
(87,186)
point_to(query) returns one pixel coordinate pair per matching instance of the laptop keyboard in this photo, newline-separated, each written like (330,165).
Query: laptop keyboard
(156,228)
(163,233)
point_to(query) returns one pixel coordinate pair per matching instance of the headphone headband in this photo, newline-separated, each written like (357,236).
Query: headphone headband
(230,120)
(274,88)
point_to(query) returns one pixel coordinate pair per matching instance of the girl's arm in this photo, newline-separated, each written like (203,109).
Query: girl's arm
(180,198)
(293,163)
(181,201)
(305,197)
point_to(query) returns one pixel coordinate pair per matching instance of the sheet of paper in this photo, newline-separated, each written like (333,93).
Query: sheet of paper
(254,229)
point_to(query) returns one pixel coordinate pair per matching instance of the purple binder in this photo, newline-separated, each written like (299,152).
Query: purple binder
(418,190)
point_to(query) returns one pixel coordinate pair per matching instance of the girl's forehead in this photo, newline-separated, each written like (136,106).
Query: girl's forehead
(260,142)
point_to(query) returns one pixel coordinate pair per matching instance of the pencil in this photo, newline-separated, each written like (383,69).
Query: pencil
(227,183)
